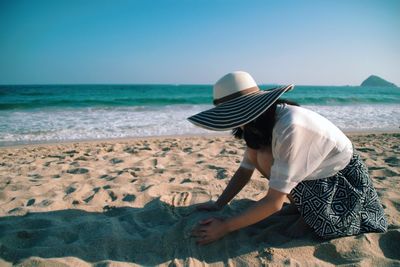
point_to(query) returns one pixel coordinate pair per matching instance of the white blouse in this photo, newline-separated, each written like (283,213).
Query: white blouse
(305,146)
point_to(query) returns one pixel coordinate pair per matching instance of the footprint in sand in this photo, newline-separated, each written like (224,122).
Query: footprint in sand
(130,150)
(187,180)
(395,205)
(374,168)
(82,158)
(180,199)
(145,187)
(70,189)
(267,253)
(188,150)
(78,171)
(154,162)
(166,149)
(88,199)
(390,245)
(221,172)
(107,177)
(56,156)
(47,164)
(129,198)
(185,198)
(71,152)
(328,252)
(365,149)
(393,161)
(116,160)
(17,211)
(35,176)
(145,148)
(89,196)
(74,164)
(386,172)
(227,152)
(30,202)
(46,203)
(112,195)
(109,149)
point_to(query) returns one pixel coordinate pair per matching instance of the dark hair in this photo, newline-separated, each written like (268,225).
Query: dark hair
(258,133)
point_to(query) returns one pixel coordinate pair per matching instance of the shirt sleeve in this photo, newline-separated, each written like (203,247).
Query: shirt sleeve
(297,152)
(246,163)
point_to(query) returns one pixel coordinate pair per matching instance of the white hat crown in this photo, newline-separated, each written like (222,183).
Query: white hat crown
(233,83)
(238,101)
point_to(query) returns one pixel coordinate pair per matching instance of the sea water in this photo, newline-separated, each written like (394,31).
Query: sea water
(50,113)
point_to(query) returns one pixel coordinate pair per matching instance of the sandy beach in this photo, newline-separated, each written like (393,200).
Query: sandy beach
(132,202)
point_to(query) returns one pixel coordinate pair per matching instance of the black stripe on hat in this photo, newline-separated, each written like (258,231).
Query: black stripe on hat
(243,106)
(238,100)
(223,118)
(243,110)
(240,120)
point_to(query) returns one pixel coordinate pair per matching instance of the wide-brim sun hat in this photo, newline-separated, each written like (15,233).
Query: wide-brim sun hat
(238,100)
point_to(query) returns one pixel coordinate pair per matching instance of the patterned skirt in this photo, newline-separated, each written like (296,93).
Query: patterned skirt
(341,205)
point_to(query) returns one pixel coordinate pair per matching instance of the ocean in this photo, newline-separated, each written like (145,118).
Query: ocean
(53,113)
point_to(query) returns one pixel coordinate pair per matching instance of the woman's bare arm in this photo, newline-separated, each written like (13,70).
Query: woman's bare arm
(213,229)
(266,206)
(238,181)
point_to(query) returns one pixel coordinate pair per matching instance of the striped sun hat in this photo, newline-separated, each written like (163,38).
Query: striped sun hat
(238,101)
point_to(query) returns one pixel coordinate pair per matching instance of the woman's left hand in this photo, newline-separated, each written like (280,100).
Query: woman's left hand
(209,230)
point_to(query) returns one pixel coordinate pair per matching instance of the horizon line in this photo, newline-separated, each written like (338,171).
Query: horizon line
(171,84)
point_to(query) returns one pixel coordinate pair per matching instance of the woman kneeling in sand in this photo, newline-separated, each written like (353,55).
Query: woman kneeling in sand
(305,157)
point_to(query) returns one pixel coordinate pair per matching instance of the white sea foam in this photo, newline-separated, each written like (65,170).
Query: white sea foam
(362,117)
(102,123)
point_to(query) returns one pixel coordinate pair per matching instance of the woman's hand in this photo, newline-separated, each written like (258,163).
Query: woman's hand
(208,206)
(209,230)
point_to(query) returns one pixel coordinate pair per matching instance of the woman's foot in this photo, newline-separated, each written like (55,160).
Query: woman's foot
(298,229)
(289,209)
(289,196)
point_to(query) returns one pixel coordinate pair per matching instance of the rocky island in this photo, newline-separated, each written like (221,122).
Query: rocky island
(374,80)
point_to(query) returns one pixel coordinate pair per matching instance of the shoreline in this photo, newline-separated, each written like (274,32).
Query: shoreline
(155,137)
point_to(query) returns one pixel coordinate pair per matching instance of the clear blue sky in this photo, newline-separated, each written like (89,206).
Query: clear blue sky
(197,41)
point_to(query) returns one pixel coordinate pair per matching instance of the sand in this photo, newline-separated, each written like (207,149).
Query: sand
(132,202)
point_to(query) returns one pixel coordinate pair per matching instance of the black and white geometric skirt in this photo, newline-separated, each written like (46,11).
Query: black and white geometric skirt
(341,205)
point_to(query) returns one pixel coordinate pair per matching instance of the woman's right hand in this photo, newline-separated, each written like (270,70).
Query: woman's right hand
(208,206)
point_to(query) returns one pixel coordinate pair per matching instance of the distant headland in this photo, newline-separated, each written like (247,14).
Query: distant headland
(374,80)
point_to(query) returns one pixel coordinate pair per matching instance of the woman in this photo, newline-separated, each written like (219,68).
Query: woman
(304,156)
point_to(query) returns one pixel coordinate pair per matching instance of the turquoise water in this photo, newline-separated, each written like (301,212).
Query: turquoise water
(44,113)
(75,96)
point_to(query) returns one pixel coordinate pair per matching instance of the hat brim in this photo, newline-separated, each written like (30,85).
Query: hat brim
(239,111)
